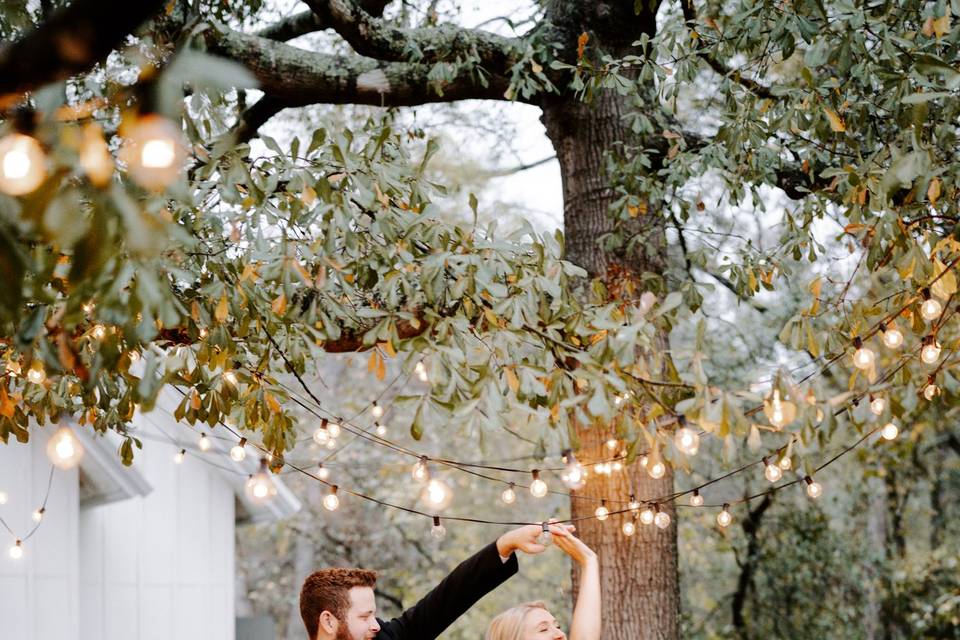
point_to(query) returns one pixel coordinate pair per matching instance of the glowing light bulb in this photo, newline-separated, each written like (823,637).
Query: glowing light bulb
(931,309)
(421,371)
(724,518)
(3,497)
(437,530)
(629,528)
(331,501)
(204,442)
(687,440)
(36,373)
(634,506)
(647,516)
(538,488)
(95,158)
(863,357)
(322,472)
(437,494)
(772,472)
(334,429)
(785,463)
(179,456)
(230,377)
(379,429)
(88,307)
(617,466)
(239,451)
(662,519)
(22,164)
(377,410)
(930,351)
(99,331)
(778,411)
(602,513)
(890,431)
(153,152)
(931,391)
(16,551)
(644,460)
(260,486)
(509,495)
(612,444)
(64,449)
(37,514)
(544,538)
(332,443)
(814,490)
(892,337)
(877,405)
(322,435)
(572,476)
(696,500)
(420,472)
(657,470)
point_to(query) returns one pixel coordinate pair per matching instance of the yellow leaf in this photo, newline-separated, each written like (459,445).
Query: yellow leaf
(597,337)
(381,367)
(941,26)
(384,200)
(512,381)
(582,44)
(836,122)
(535,67)
(933,191)
(308,195)
(279,305)
(6,405)
(372,361)
(388,348)
(223,308)
(946,286)
(195,400)
(271,402)
(195,311)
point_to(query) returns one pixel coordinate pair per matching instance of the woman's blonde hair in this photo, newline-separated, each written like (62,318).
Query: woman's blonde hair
(509,624)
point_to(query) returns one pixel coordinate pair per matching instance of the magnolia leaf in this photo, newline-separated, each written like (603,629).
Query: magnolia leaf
(836,122)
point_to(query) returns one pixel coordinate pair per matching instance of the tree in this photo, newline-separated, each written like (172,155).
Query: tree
(637,140)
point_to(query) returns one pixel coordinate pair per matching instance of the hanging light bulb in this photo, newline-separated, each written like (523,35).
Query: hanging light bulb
(322,472)
(931,390)
(437,530)
(509,495)
(633,505)
(260,486)
(602,513)
(153,151)
(37,514)
(64,449)
(686,439)
(239,451)
(617,466)
(22,161)
(421,371)
(204,442)
(420,472)
(377,410)
(657,470)
(785,462)
(814,490)
(544,538)
(231,377)
(629,528)
(696,500)
(724,518)
(863,357)
(772,472)
(931,350)
(890,431)
(322,435)
(16,551)
(892,336)
(179,456)
(36,373)
(877,405)
(647,516)
(931,308)
(778,411)
(3,497)
(661,519)
(538,488)
(331,501)
(437,494)
(379,429)
(334,429)
(612,444)
(95,158)
(332,443)
(572,476)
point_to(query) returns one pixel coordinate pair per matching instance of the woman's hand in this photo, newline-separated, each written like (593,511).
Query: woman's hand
(571,545)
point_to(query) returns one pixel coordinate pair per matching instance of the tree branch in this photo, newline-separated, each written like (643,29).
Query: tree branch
(74,39)
(311,21)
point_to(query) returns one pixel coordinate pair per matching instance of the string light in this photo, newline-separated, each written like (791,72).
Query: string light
(633,505)
(661,519)
(438,531)
(36,373)
(89,307)
(814,490)
(379,429)
(931,308)
(863,357)
(260,486)
(686,439)
(332,443)
(509,495)
(931,350)
(94,157)
(239,452)
(890,431)
(892,336)
(16,551)
(657,470)
(612,444)
(785,462)
(771,472)
(544,538)
(421,371)
(204,442)
(179,456)
(573,475)
(779,412)
(64,449)
(37,514)
(22,160)
(602,513)
(3,497)
(376,410)
(322,435)
(331,501)
(617,466)
(322,472)
(153,152)
(420,472)
(877,405)
(629,528)
(724,518)
(647,516)
(696,500)
(334,429)
(437,494)
(538,488)
(931,390)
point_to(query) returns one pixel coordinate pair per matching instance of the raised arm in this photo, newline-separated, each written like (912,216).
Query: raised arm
(586,623)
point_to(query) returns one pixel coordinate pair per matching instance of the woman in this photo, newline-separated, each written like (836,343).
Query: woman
(532,621)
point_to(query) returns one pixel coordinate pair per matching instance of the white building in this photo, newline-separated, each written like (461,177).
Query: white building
(138,553)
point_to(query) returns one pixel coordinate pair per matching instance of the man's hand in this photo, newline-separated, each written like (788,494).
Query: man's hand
(524,539)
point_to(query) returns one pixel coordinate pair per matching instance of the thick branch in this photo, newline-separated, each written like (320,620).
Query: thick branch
(295,77)
(74,39)
(310,21)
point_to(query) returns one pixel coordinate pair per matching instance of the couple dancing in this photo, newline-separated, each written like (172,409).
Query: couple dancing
(338,604)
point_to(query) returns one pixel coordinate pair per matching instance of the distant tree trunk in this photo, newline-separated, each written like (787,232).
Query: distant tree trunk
(877,540)
(751,527)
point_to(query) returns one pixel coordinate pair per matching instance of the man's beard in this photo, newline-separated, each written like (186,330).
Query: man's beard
(343,633)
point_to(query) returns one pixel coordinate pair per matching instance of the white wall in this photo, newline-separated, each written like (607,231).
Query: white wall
(38,593)
(160,566)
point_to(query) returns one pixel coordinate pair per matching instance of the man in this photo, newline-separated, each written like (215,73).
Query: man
(338,604)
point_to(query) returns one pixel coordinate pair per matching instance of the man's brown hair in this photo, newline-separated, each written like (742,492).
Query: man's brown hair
(328,590)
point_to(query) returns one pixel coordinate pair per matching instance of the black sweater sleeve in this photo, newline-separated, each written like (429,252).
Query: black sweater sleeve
(473,578)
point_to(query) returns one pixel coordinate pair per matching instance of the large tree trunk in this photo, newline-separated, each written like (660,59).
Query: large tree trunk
(641,597)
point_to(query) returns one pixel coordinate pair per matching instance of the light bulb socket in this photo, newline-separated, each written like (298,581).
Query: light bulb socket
(511,486)
(333,489)
(857,343)
(808,479)
(536,474)
(242,443)
(436,521)
(263,465)
(544,528)
(696,492)
(883,327)
(925,292)
(656,507)
(24,120)
(766,461)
